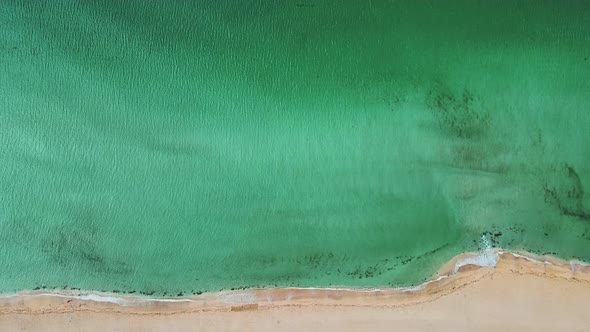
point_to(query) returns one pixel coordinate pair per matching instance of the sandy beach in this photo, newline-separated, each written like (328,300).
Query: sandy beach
(519,293)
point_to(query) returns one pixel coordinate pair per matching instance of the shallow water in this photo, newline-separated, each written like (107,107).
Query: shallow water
(170,149)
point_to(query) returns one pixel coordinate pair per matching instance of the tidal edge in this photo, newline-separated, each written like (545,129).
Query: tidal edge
(461,271)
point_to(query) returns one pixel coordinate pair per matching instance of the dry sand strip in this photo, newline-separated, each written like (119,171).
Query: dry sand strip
(518,294)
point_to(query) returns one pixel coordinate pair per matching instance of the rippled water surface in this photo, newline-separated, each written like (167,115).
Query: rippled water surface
(177,147)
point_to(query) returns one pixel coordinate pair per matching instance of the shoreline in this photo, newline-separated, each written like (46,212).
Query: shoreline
(519,293)
(461,271)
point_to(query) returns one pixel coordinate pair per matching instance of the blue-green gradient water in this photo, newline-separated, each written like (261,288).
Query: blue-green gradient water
(178,147)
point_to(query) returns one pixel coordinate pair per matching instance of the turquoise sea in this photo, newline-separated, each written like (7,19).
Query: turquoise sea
(169,148)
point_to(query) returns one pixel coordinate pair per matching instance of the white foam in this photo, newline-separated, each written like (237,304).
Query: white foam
(525,257)
(100,298)
(422,285)
(85,297)
(124,301)
(487,257)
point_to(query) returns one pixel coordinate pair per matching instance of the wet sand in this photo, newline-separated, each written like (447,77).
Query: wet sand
(519,293)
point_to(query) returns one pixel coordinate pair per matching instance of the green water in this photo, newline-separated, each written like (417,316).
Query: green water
(176,147)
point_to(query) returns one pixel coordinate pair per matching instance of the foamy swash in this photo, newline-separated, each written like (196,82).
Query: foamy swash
(485,258)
